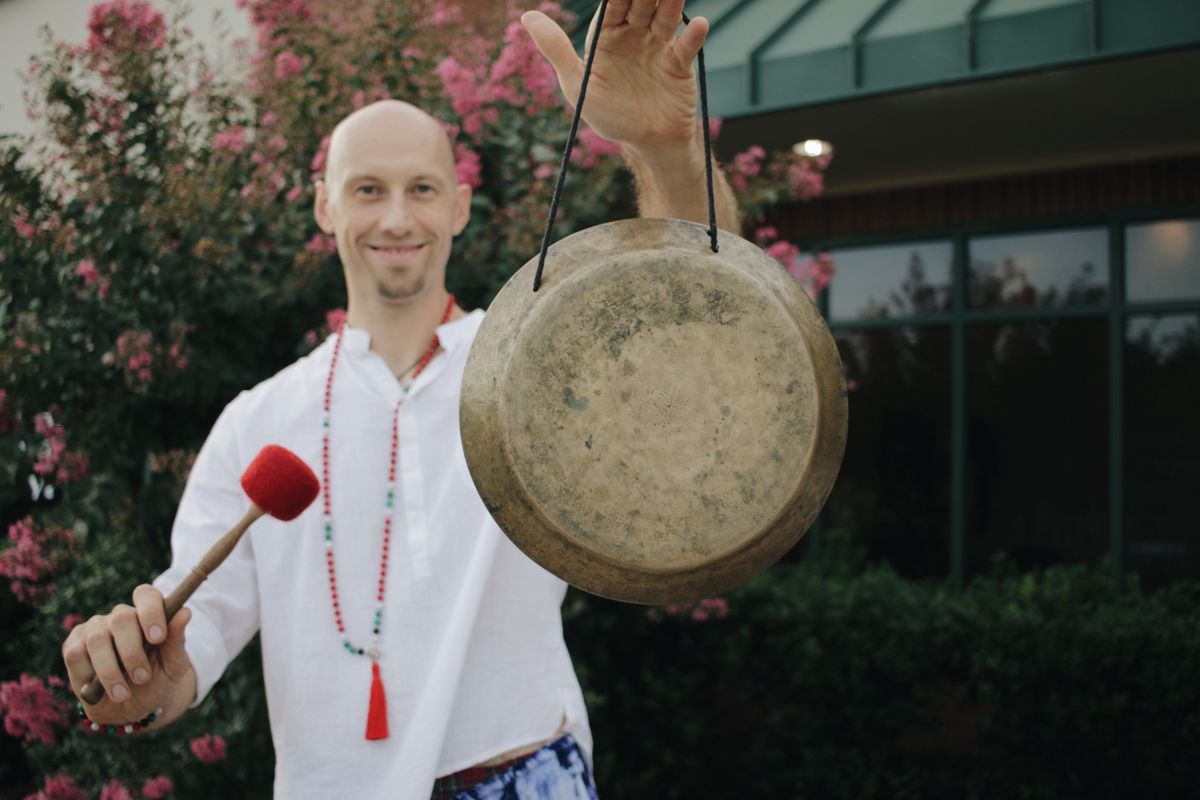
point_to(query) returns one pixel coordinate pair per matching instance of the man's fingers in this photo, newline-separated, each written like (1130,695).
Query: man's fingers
(555,46)
(614,15)
(152,616)
(640,13)
(79,667)
(667,18)
(104,661)
(691,40)
(131,647)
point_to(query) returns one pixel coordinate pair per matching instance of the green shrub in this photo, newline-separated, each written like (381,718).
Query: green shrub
(865,686)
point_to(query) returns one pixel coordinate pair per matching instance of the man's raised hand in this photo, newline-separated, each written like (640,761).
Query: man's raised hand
(642,91)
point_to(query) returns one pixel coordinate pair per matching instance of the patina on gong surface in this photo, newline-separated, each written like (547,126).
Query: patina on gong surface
(658,423)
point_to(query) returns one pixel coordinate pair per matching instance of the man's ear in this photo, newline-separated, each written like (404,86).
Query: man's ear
(462,207)
(321,208)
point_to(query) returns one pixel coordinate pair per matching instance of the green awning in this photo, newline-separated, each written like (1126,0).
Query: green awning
(769,55)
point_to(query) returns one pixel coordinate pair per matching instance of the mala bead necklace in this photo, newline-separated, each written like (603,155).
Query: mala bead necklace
(377,726)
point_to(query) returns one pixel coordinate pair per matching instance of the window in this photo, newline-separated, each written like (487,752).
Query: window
(893,492)
(1036,443)
(1162,446)
(1163,260)
(1026,363)
(1063,268)
(891,281)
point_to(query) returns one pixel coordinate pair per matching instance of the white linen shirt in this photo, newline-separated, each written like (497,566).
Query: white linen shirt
(473,660)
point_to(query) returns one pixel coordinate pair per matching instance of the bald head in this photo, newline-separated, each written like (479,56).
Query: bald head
(381,126)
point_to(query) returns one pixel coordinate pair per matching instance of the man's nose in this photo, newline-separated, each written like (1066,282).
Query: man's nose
(396,217)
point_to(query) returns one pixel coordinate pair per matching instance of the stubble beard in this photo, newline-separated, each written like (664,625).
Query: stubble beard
(409,289)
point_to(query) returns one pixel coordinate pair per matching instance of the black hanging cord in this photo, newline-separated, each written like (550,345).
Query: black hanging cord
(708,165)
(566,161)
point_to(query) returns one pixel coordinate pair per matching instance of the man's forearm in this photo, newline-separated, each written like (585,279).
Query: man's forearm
(671,184)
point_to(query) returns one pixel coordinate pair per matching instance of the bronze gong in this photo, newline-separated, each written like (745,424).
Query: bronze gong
(658,423)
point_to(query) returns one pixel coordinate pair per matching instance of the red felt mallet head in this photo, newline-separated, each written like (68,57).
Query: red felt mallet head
(279,483)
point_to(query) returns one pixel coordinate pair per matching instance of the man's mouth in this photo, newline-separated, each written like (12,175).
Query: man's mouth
(396,250)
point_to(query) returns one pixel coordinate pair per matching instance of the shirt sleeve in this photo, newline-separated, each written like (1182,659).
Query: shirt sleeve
(225,612)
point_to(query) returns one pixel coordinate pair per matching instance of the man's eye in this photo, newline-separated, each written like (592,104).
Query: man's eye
(367,190)
(423,188)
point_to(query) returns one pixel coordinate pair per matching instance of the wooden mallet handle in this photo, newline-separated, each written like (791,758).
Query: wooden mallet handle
(92,691)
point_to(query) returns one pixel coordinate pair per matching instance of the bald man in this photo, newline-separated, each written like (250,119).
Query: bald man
(409,649)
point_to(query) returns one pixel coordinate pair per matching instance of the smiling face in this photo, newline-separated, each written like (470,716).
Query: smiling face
(391,199)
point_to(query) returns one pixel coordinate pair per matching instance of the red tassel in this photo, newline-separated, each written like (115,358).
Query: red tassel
(377,727)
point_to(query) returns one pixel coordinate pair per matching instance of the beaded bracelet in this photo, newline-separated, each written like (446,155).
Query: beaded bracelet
(120,730)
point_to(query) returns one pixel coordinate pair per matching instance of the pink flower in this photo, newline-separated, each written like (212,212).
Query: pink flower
(785,253)
(714,127)
(117,24)
(522,69)
(59,787)
(87,270)
(30,711)
(749,163)
(804,181)
(70,621)
(467,166)
(321,244)
(115,790)
(54,458)
(543,171)
(765,235)
(209,748)
(820,270)
(462,85)
(710,608)
(36,555)
(287,64)
(444,14)
(318,163)
(232,139)
(157,788)
(591,147)
(334,318)
(23,226)
(702,611)
(294,193)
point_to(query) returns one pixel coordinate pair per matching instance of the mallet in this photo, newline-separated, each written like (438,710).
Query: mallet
(278,483)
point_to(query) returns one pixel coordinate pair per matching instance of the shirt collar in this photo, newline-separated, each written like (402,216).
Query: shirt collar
(452,335)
